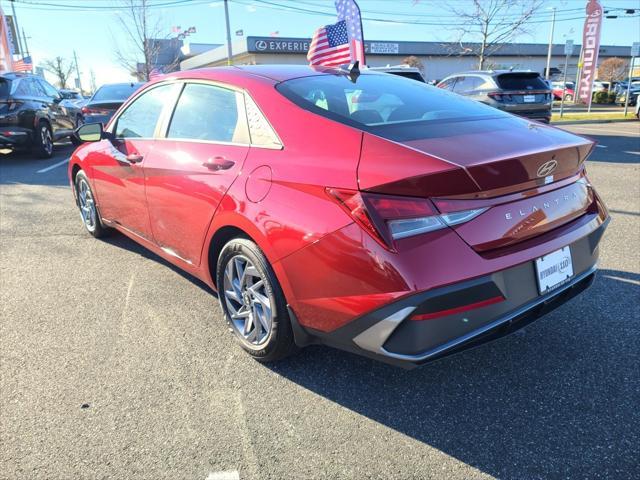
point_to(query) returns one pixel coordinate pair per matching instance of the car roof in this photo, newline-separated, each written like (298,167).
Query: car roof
(122,84)
(491,72)
(277,73)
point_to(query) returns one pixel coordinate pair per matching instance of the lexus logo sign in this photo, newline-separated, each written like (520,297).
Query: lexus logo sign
(547,168)
(261,45)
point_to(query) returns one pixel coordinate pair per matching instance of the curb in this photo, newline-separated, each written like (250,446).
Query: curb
(587,122)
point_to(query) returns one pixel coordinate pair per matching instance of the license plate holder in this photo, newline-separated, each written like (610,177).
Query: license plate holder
(554,269)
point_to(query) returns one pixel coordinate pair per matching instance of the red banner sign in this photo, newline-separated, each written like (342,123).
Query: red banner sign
(590,48)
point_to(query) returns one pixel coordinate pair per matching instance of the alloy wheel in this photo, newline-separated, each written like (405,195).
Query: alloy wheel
(247,301)
(87,205)
(47,141)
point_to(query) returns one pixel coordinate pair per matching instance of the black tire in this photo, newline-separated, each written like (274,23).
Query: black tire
(278,342)
(74,139)
(94,227)
(43,140)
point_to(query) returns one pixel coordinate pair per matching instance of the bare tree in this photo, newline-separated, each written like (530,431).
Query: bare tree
(143,35)
(491,23)
(613,69)
(61,68)
(413,61)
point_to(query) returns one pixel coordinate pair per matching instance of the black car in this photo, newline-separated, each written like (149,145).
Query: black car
(522,93)
(107,99)
(31,114)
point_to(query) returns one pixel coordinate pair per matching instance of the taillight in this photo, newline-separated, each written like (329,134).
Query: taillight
(94,111)
(496,96)
(388,218)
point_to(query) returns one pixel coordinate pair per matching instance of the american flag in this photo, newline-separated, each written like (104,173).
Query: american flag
(23,65)
(349,11)
(330,45)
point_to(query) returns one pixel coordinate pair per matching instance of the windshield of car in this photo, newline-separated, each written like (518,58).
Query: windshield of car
(521,81)
(120,91)
(375,101)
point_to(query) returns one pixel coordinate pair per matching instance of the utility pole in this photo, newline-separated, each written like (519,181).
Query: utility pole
(75,60)
(553,25)
(226,17)
(15,22)
(626,97)
(26,47)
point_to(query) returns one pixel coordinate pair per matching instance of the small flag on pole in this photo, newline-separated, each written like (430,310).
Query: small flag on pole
(23,65)
(330,45)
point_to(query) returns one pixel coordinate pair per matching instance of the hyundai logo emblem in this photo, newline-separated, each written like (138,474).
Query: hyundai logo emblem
(547,168)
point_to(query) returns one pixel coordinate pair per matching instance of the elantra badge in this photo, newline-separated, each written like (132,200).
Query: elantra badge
(547,168)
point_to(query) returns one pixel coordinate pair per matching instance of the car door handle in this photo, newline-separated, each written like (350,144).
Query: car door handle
(134,158)
(219,163)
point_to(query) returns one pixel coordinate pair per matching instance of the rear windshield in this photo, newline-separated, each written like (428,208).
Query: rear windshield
(115,92)
(377,101)
(5,87)
(521,81)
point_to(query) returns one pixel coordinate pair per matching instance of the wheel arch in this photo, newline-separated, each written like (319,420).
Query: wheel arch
(219,239)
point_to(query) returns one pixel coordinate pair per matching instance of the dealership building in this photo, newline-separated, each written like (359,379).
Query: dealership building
(439,58)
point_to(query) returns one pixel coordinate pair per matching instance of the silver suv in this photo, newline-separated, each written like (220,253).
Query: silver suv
(520,92)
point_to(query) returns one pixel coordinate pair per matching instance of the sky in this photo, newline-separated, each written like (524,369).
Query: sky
(91,27)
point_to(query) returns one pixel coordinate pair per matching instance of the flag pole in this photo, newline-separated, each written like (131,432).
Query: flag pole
(364,59)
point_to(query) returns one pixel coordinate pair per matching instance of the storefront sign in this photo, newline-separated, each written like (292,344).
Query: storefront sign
(384,48)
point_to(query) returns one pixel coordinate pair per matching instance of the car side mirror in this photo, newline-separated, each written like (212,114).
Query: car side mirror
(90,132)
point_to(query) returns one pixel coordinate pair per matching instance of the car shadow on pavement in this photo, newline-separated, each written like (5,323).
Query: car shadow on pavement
(21,167)
(618,149)
(120,240)
(558,399)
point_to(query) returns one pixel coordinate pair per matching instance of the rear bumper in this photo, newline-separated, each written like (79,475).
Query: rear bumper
(103,119)
(540,115)
(15,136)
(390,335)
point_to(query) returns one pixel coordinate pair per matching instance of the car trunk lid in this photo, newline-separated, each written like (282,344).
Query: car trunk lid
(498,164)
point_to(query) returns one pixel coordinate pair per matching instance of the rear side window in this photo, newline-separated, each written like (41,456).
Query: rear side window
(140,118)
(378,100)
(447,84)
(5,87)
(48,89)
(209,113)
(521,81)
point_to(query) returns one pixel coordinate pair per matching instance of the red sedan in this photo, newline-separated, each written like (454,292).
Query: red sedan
(372,213)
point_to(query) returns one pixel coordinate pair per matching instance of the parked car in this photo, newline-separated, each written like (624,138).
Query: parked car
(557,89)
(634,91)
(523,93)
(32,114)
(72,96)
(106,100)
(73,102)
(403,234)
(402,71)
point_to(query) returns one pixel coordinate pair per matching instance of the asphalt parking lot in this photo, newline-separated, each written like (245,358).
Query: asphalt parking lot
(115,365)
